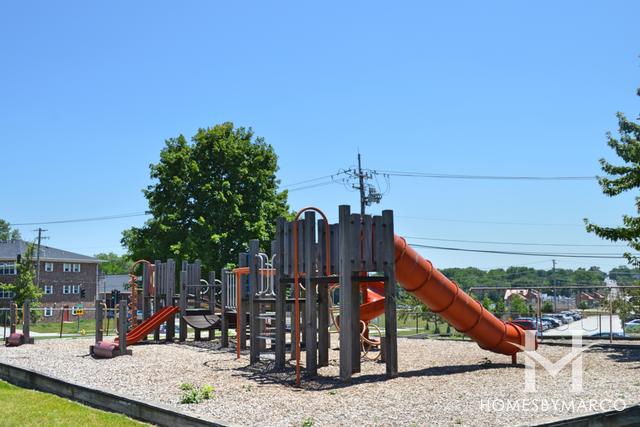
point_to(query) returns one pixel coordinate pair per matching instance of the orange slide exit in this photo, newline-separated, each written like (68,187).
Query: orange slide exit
(418,276)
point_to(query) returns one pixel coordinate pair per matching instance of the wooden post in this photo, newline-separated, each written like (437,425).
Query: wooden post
(183,306)
(170,288)
(212,301)
(241,335)
(356,266)
(122,328)
(14,318)
(157,294)
(346,296)
(311,316)
(254,326)
(280,289)
(26,322)
(224,323)
(390,319)
(323,300)
(99,317)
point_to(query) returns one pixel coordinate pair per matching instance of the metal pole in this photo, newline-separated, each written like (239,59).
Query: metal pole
(555,290)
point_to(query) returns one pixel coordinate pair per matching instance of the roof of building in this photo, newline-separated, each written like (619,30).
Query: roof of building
(10,249)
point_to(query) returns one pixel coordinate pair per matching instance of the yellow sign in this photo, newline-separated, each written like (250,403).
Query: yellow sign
(79,311)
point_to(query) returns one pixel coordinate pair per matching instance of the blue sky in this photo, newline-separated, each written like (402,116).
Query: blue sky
(89,92)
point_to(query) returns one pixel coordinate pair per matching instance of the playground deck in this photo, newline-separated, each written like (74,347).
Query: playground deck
(440,383)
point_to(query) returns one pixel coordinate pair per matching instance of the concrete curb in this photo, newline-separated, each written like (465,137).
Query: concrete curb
(149,412)
(629,417)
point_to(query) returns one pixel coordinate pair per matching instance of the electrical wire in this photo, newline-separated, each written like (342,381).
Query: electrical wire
(544,254)
(484,177)
(490,222)
(97,218)
(514,243)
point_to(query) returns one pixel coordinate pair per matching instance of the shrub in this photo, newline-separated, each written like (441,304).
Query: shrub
(192,394)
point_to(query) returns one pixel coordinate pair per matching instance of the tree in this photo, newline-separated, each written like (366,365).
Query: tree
(518,305)
(499,308)
(487,303)
(24,287)
(209,198)
(114,263)
(547,307)
(622,178)
(8,233)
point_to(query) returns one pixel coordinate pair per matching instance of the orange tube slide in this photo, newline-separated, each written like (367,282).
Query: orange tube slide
(418,276)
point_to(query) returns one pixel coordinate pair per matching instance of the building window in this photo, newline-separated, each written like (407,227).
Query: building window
(66,267)
(71,289)
(8,268)
(48,289)
(48,267)
(48,311)
(76,268)
(4,294)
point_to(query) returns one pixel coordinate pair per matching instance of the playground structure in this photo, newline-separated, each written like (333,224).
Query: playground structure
(155,299)
(15,338)
(362,257)
(292,291)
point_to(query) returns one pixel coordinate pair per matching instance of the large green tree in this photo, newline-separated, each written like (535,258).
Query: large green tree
(24,287)
(209,197)
(8,233)
(113,263)
(620,178)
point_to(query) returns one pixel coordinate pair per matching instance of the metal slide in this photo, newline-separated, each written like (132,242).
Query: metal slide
(443,296)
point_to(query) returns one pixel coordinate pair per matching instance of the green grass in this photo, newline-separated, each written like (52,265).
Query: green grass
(89,325)
(22,408)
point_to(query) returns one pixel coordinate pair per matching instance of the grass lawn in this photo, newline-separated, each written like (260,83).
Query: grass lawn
(89,325)
(22,407)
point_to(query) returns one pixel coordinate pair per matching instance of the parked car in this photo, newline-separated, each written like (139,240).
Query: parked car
(563,318)
(552,320)
(632,323)
(527,324)
(572,314)
(606,335)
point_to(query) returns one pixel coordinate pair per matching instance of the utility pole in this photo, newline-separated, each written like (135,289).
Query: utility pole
(361,186)
(40,231)
(555,290)
(373,195)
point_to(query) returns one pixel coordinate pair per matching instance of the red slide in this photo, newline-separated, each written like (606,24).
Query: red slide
(443,296)
(145,328)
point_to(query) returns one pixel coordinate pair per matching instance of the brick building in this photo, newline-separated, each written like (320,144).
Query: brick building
(67,279)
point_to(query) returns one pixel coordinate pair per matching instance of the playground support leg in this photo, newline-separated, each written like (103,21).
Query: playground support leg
(122,329)
(99,317)
(14,319)
(26,323)
(514,359)
(346,332)
(390,293)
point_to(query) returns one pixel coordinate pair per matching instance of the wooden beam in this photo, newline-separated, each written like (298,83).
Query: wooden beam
(311,315)
(280,290)
(254,328)
(356,266)
(183,305)
(390,295)
(346,296)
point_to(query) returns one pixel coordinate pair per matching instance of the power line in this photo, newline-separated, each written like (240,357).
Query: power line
(469,221)
(321,184)
(545,254)
(484,177)
(97,218)
(306,181)
(514,243)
